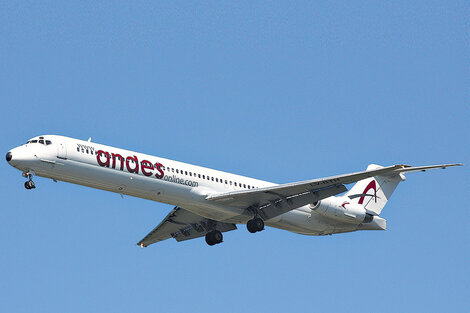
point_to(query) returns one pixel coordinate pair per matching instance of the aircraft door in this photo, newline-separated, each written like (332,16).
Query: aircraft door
(61,150)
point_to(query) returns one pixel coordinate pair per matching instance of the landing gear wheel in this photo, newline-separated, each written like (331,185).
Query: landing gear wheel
(250,227)
(209,239)
(255,225)
(214,237)
(29,184)
(258,223)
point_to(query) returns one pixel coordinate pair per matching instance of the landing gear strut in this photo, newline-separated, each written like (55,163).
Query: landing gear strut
(29,184)
(214,237)
(255,225)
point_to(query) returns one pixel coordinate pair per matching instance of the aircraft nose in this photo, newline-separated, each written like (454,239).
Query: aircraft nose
(9,156)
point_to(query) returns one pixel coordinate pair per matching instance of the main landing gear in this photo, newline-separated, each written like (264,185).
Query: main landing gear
(255,225)
(29,184)
(214,237)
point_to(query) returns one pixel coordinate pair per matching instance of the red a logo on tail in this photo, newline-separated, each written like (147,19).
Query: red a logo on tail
(369,187)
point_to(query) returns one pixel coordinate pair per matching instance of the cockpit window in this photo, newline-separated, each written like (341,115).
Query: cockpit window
(41,141)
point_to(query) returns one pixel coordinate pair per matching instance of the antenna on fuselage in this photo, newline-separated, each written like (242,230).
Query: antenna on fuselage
(89,139)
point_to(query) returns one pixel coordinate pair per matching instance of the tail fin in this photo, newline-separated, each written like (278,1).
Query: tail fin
(373,193)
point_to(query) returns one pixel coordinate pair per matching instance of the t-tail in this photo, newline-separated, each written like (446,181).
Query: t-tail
(373,193)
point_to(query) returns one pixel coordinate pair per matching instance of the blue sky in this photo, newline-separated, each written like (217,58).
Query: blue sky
(278,91)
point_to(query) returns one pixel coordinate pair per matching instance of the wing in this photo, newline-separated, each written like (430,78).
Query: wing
(183,225)
(270,202)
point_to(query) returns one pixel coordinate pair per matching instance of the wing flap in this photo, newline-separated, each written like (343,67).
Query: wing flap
(182,225)
(283,205)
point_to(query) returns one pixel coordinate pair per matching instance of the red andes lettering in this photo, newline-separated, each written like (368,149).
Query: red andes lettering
(98,158)
(114,156)
(136,162)
(160,173)
(146,165)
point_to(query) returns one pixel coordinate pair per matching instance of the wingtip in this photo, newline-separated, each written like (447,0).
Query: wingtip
(450,165)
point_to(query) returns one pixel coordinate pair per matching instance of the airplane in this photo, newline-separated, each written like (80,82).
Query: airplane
(208,202)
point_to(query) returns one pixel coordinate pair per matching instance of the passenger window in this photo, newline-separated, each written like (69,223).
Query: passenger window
(235,183)
(199,175)
(173,170)
(78,149)
(217,180)
(226,182)
(230,182)
(87,151)
(244,186)
(190,174)
(177,171)
(212,178)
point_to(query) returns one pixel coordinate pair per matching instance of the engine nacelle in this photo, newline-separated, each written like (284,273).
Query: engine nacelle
(341,209)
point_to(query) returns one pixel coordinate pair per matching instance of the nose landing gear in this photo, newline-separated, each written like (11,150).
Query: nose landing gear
(29,184)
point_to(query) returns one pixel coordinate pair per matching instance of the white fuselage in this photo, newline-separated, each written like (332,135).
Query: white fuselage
(163,180)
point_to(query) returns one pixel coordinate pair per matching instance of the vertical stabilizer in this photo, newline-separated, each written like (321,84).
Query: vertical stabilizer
(373,193)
